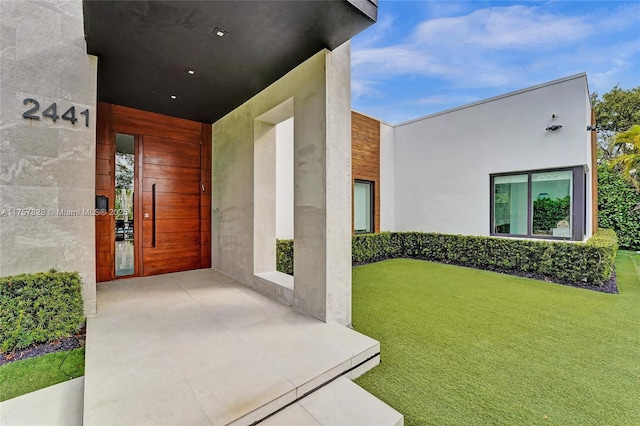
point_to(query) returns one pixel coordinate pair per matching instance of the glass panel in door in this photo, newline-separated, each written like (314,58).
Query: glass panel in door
(124,171)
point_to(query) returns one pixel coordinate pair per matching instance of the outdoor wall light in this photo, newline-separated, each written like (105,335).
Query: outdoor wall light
(191,72)
(219,32)
(553,127)
(174,97)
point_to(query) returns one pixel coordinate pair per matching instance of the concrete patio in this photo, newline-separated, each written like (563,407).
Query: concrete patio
(199,348)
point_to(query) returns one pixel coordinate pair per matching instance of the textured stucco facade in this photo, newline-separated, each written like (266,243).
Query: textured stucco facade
(443,162)
(317,95)
(47,169)
(435,171)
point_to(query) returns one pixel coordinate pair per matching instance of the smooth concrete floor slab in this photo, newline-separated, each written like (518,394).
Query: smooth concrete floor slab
(58,405)
(199,348)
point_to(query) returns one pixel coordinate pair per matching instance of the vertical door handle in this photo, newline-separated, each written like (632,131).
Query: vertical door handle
(153,212)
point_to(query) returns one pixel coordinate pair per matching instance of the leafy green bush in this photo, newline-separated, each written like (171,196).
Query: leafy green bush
(284,256)
(619,208)
(39,308)
(589,263)
(368,248)
(547,212)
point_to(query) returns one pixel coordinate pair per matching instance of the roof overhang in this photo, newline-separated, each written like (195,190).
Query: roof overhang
(145,49)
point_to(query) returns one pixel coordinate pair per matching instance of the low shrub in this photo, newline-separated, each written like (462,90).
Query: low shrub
(368,248)
(39,308)
(589,263)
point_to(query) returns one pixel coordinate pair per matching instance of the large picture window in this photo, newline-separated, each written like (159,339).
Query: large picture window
(363,207)
(544,204)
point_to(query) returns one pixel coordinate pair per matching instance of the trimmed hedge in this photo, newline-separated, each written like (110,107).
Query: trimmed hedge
(589,263)
(39,308)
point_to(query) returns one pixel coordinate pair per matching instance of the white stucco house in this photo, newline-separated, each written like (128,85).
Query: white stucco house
(237,120)
(495,167)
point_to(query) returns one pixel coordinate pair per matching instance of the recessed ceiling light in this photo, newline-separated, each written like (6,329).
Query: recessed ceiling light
(174,97)
(191,72)
(219,32)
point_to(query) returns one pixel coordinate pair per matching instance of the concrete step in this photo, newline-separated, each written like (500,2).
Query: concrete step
(340,403)
(57,405)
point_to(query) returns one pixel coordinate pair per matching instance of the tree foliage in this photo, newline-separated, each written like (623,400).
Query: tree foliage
(124,170)
(616,111)
(619,207)
(628,159)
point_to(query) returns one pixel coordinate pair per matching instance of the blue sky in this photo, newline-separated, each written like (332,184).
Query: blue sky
(423,57)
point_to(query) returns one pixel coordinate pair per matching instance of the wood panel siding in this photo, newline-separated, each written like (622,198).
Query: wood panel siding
(105,186)
(365,158)
(175,155)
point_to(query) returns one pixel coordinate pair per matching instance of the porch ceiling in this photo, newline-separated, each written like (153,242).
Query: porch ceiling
(145,48)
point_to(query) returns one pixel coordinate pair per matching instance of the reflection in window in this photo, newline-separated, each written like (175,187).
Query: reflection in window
(551,199)
(363,207)
(510,208)
(534,204)
(124,165)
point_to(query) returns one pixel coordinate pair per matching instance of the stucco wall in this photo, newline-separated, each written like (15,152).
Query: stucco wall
(284,180)
(47,169)
(443,161)
(320,89)
(387,178)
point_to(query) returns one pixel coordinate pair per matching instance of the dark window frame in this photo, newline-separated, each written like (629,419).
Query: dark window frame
(578,204)
(372,194)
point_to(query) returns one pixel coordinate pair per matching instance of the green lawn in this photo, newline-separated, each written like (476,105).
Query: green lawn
(21,377)
(468,347)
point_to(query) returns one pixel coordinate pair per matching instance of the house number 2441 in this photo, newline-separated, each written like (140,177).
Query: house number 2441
(52,112)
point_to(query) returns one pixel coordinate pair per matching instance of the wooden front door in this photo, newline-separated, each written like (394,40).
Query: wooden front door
(171,192)
(170,210)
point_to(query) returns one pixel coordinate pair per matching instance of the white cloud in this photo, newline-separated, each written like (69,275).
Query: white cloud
(379,31)
(460,55)
(365,88)
(613,62)
(513,27)
(489,47)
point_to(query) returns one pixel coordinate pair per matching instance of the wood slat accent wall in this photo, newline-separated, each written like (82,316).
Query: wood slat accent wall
(365,158)
(178,160)
(105,185)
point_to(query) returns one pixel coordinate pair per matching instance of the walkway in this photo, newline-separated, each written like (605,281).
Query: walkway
(199,348)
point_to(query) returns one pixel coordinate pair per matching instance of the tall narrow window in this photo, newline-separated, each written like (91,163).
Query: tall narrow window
(363,206)
(124,162)
(546,204)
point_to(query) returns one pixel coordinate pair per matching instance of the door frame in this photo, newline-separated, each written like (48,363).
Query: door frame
(112,119)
